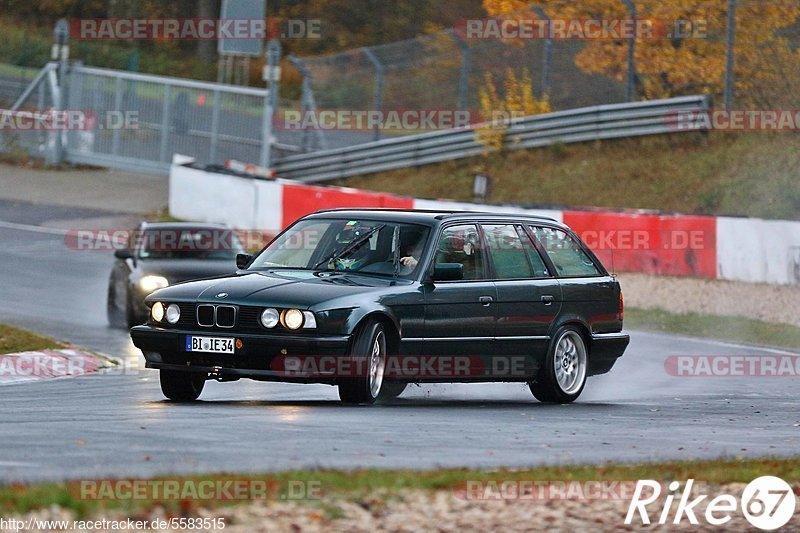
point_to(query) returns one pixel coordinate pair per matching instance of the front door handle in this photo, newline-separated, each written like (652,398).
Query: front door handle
(548,300)
(486,300)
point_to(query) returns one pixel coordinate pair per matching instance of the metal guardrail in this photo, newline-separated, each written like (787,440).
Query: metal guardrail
(650,117)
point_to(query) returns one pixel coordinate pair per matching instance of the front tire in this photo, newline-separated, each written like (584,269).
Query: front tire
(182,386)
(391,390)
(131,317)
(563,376)
(368,356)
(116,318)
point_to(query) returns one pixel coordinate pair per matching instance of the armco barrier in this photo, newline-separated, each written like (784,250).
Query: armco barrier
(650,117)
(741,249)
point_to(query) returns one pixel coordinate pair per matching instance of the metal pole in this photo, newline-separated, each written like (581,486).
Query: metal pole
(308,103)
(378,97)
(466,67)
(165,129)
(547,58)
(115,135)
(212,158)
(61,51)
(270,102)
(729,55)
(630,89)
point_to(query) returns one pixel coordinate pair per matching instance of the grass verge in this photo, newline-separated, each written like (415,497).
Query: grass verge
(14,340)
(730,328)
(355,485)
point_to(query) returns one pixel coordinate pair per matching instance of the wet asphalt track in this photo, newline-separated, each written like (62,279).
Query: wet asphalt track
(119,425)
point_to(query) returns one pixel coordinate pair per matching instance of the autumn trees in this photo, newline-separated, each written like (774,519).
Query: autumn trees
(686,55)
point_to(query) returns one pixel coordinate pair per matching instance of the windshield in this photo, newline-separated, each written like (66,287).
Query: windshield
(187,243)
(364,246)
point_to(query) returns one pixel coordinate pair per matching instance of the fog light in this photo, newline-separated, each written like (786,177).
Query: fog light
(293,319)
(157,312)
(269,318)
(173,313)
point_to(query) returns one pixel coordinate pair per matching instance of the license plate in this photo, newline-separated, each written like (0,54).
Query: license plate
(209,344)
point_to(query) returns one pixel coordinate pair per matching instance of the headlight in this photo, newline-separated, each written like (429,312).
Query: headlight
(150,283)
(157,311)
(269,318)
(293,319)
(310,321)
(173,313)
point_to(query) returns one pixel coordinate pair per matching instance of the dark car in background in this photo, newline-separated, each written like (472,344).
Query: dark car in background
(159,254)
(370,300)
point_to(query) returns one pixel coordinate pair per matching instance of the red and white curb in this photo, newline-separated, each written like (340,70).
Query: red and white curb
(49,364)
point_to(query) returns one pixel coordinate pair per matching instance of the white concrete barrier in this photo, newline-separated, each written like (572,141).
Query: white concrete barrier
(203,196)
(756,250)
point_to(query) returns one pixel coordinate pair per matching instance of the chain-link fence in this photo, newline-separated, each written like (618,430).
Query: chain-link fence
(677,50)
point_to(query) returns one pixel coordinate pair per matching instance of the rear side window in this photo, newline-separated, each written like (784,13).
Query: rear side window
(461,244)
(509,255)
(565,253)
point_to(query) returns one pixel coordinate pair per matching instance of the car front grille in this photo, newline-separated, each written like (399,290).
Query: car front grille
(205,316)
(201,316)
(226,316)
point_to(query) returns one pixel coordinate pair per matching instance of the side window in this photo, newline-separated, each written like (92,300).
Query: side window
(539,268)
(506,249)
(461,244)
(566,254)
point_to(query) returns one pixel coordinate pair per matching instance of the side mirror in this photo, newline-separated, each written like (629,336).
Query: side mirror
(242,260)
(123,254)
(448,272)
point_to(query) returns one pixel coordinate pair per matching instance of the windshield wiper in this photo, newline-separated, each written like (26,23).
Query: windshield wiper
(350,247)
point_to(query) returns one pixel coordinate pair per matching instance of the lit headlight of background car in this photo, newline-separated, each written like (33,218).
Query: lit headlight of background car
(150,283)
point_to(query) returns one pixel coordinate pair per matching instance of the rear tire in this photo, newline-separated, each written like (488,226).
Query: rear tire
(182,386)
(368,357)
(563,376)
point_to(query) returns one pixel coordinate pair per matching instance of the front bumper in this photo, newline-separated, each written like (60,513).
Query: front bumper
(257,358)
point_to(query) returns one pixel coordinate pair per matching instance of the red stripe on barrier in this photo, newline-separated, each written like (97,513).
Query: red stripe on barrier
(300,200)
(47,364)
(667,245)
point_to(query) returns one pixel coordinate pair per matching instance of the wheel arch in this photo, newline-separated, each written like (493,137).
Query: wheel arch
(582,327)
(389,322)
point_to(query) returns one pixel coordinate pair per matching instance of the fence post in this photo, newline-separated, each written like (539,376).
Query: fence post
(60,53)
(730,34)
(165,108)
(630,90)
(466,68)
(270,101)
(212,157)
(307,101)
(547,58)
(378,97)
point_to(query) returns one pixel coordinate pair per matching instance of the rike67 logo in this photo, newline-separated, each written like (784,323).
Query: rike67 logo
(767,503)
